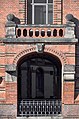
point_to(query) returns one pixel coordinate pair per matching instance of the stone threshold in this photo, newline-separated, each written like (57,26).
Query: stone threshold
(45,117)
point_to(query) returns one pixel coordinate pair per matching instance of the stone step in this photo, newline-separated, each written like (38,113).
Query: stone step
(53,117)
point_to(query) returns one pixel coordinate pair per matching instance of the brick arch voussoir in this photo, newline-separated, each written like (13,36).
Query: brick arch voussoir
(60,55)
(21,54)
(57,53)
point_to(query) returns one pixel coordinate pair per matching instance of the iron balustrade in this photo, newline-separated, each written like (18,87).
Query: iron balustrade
(39,107)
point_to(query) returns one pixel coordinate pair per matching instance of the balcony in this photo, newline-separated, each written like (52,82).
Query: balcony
(39,107)
(40,33)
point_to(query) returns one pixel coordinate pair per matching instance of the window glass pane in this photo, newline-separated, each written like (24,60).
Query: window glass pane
(50,1)
(50,14)
(29,12)
(40,14)
(40,1)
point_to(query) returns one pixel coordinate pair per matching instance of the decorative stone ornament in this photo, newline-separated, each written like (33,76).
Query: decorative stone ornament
(10,17)
(69,17)
(40,47)
(10,20)
(10,26)
(69,30)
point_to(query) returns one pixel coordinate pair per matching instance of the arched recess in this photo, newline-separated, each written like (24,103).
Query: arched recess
(39,76)
(33,66)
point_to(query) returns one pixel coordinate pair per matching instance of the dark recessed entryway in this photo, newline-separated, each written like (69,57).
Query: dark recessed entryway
(39,79)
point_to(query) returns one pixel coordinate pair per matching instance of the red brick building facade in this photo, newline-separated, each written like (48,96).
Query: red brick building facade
(39,59)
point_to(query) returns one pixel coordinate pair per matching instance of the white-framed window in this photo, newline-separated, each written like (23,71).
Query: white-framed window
(40,12)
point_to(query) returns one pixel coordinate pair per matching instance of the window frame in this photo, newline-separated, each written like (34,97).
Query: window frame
(43,4)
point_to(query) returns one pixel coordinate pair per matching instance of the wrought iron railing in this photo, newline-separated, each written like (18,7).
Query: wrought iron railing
(39,107)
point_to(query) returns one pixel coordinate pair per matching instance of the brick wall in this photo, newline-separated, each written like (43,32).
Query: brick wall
(17,7)
(8,90)
(68,92)
(7,7)
(70,7)
(11,93)
(11,87)
(57,12)
(23,11)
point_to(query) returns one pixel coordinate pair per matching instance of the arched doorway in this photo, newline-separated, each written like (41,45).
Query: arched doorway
(39,85)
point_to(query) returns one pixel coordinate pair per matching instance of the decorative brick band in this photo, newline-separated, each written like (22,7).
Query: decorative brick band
(49,50)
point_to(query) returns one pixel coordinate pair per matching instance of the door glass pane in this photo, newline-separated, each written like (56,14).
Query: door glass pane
(39,1)
(40,14)
(50,1)
(50,14)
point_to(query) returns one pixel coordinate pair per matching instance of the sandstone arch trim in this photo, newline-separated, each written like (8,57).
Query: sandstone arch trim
(50,50)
